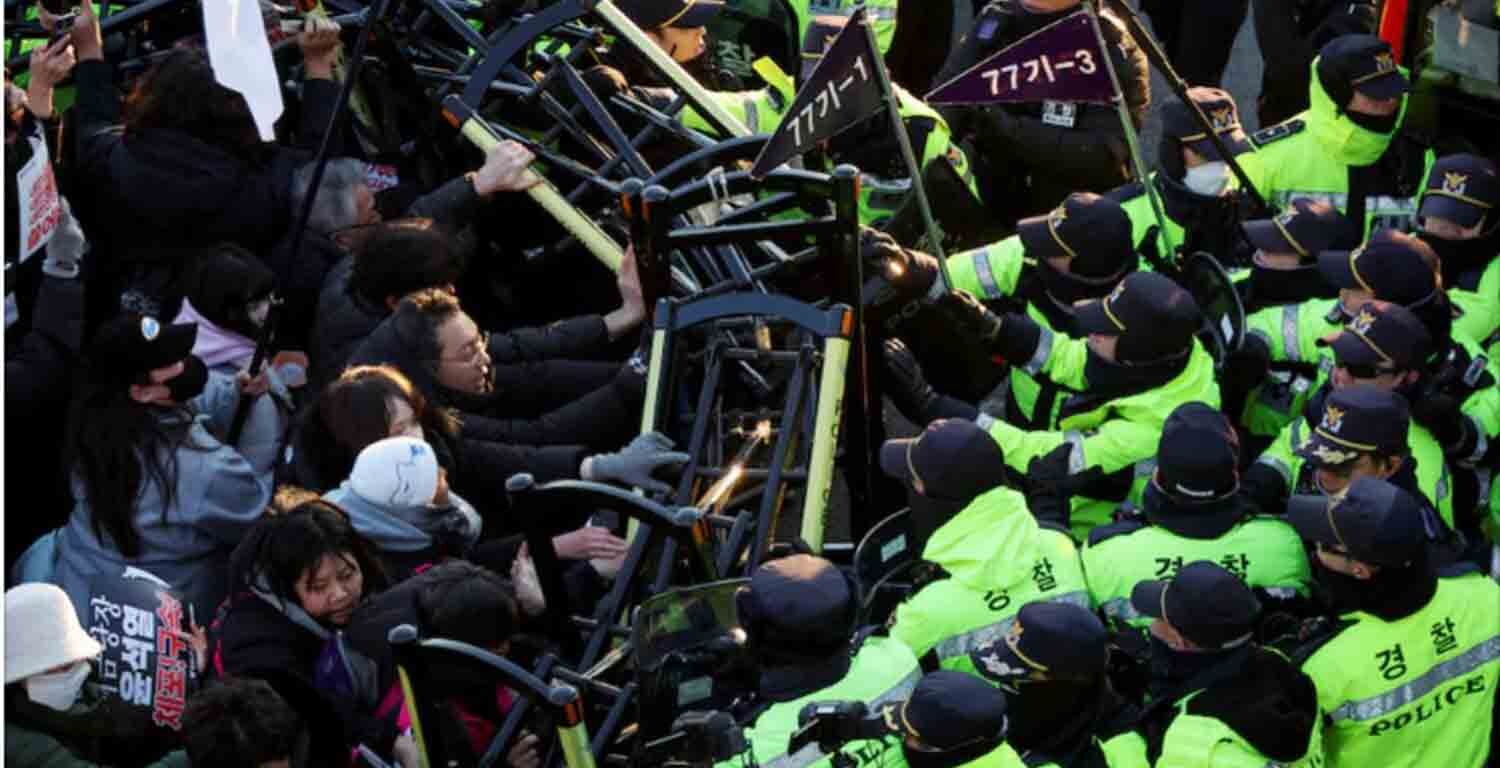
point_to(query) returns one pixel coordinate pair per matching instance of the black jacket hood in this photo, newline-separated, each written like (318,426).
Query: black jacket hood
(1271,704)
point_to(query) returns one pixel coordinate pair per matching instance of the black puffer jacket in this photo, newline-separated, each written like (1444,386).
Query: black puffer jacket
(148,197)
(604,418)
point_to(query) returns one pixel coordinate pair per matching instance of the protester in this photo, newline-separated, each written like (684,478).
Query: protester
(296,579)
(154,486)
(54,718)
(240,723)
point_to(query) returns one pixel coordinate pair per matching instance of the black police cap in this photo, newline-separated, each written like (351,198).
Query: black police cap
(1358,420)
(1373,521)
(1197,459)
(1093,231)
(1206,604)
(1179,122)
(1384,335)
(1462,189)
(1154,317)
(1061,641)
(683,14)
(1365,64)
(1392,265)
(1307,227)
(951,710)
(953,460)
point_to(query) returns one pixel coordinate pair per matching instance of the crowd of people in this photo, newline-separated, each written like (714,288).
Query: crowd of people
(1145,535)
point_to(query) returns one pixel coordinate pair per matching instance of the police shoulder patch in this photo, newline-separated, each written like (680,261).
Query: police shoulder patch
(1278,132)
(1106,532)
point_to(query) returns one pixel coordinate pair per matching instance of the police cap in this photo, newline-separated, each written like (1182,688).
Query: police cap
(1206,604)
(1093,231)
(1358,420)
(1372,521)
(1364,63)
(951,710)
(1392,265)
(1179,122)
(1462,189)
(1154,317)
(1051,641)
(952,460)
(1307,227)
(1382,335)
(684,14)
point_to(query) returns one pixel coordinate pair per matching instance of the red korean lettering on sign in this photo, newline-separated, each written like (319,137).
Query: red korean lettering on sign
(171,671)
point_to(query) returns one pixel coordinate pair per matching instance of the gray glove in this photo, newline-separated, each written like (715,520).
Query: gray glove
(66,248)
(635,463)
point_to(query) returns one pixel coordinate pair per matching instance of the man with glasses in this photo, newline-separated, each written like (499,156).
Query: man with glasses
(1407,675)
(1359,422)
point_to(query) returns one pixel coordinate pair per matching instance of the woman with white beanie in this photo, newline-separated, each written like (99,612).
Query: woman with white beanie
(53,718)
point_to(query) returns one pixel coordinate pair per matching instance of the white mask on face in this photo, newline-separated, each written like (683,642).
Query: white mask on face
(59,690)
(1208,179)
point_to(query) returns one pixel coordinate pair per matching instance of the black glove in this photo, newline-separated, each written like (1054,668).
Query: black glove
(969,318)
(1264,487)
(911,273)
(1051,488)
(1244,370)
(1439,413)
(1150,250)
(904,382)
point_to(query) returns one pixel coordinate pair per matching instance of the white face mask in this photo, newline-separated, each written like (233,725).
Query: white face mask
(1208,179)
(59,690)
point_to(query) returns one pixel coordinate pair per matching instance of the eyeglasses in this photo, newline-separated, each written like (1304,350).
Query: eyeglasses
(470,352)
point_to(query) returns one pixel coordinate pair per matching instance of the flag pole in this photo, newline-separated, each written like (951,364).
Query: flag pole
(893,107)
(1132,140)
(263,343)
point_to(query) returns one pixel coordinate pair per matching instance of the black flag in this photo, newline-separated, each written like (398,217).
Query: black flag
(840,92)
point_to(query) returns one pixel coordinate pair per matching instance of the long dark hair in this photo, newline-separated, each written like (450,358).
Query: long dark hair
(281,548)
(116,444)
(352,413)
(181,94)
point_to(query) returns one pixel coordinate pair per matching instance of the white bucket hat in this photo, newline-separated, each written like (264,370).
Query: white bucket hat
(42,631)
(399,472)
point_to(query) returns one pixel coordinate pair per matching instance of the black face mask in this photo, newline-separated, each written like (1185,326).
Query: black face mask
(1456,257)
(1067,288)
(1381,124)
(190,383)
(1337,592)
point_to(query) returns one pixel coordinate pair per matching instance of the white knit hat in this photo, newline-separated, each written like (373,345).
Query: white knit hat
(42,631)
(399,472)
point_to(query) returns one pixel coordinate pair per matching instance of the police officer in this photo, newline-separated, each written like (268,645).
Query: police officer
(1360,420)
(799,614)
(992,555)
(1284,265)
(680,29)
(1064,710)
(1347,147)
(1408,675)
(1193,511)
(1080,250)
(1111,393)
(1217,698)
(1198,191)
(1282,342)
(1456,215)
(954,720)
(1035,155)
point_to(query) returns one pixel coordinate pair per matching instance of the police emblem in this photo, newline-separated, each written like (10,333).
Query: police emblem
(1361,324)
(1384,62)
(1333,419)
(1455,183)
